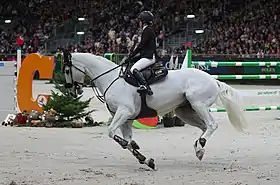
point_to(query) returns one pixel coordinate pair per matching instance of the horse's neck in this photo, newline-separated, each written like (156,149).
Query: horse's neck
(104,81)
(99,66)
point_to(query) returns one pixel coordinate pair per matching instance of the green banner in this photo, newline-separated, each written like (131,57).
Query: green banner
(58,62)
(116,58)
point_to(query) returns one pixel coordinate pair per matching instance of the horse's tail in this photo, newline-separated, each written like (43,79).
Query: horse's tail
(233,103)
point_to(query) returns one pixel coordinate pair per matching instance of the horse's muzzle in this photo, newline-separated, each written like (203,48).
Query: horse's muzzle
(79,90)
(68,85)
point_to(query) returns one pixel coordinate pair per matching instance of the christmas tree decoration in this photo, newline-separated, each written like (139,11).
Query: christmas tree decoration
(67,107)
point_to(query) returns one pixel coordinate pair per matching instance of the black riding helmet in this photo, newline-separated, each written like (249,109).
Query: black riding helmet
(146,16)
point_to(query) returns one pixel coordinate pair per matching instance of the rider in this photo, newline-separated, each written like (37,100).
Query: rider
(146,48)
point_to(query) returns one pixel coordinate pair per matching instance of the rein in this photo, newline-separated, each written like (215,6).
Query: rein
(99,96)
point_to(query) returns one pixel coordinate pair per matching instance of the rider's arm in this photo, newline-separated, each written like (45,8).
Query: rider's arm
(145,37)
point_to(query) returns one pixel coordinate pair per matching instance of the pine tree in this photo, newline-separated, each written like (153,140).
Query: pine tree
(68,108)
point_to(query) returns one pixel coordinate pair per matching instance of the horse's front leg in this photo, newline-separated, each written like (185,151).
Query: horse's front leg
(126,130)
(132,146)
(121,120)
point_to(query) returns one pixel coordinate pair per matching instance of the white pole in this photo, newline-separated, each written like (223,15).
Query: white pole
(176,63)
(18,61)
(171,62)
(18,65)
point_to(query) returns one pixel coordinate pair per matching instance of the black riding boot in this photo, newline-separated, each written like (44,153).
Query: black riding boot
(144,86)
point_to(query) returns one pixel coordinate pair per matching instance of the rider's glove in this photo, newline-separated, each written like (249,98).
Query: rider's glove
(127,60)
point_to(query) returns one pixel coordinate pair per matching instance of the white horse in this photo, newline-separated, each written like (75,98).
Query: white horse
(189,91)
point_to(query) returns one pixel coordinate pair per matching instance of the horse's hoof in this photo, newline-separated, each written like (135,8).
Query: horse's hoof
(80,91)
(200,153)
(151,164)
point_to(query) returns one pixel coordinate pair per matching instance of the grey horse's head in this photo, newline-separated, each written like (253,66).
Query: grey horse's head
(74,75)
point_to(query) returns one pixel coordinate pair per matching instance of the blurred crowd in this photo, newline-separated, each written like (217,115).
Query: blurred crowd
(253,31)
(116,29)
(237,27)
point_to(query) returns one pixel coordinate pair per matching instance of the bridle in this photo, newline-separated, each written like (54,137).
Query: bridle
(100,97)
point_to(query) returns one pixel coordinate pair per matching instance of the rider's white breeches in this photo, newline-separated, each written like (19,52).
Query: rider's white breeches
(142,63)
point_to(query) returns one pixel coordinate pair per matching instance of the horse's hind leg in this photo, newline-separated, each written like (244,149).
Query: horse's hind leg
(204,114)
(198,115)
(189,116)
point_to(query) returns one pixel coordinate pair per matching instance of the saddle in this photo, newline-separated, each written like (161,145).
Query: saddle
(153,74)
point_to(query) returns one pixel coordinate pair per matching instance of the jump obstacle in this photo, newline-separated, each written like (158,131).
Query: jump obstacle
(275,92)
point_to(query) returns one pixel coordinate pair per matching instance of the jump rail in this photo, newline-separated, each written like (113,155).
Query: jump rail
(248,109)
(190,64)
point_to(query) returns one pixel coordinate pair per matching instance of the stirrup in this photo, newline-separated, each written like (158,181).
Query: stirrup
(142,88)
(145,89)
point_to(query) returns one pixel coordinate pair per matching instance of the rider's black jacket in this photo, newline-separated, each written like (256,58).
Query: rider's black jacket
(147,45)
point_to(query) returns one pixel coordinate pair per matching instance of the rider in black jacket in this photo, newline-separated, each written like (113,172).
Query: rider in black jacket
(147,50)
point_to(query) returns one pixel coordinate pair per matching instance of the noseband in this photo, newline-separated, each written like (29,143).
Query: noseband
(68,63)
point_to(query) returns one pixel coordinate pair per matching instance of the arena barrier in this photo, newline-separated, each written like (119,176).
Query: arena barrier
(8,74)
(188,63)
(9,71)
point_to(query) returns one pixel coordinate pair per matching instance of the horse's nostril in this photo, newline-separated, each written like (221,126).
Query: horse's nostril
(68,85)
(73,94)
(80,91)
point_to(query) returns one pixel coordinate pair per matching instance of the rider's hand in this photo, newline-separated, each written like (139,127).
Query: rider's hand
(126,61)
(128,58)
(130,55)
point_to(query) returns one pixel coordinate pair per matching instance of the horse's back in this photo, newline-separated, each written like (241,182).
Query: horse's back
(187,76)
(182,83)
(196,76)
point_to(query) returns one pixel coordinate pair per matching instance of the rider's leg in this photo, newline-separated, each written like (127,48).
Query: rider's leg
(136,68)
(142,64)
(144,86)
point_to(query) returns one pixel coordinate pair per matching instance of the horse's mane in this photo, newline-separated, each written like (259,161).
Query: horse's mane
(96,57)
(105,60)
